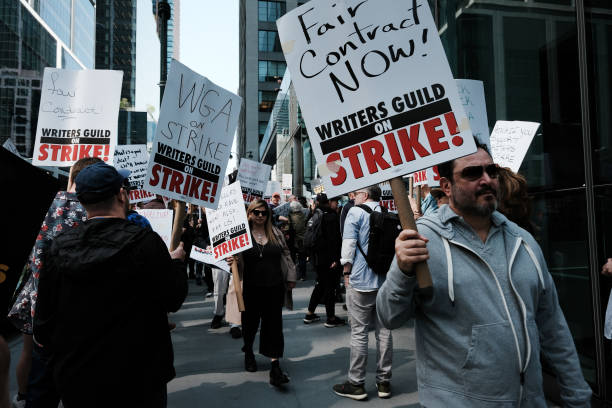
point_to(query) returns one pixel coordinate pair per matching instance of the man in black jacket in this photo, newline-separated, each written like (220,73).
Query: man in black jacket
(106,327)
(326,258)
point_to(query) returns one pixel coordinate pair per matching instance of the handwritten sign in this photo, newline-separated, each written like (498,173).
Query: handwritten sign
(375,89)
(287,184)
(161,222)
(206,256)
(253,178)
(510,141)
(135,159)
(193,138)
(271,188)
(77,117)
(472,97)
(228,225)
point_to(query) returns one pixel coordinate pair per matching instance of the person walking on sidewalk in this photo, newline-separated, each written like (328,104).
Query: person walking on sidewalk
(267,273)
(362,287)
(325,256)
(492,312)
(106,327)
(34,381)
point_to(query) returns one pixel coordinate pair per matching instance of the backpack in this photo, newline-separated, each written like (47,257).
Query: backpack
(297,227)
(384,228)
(313,234)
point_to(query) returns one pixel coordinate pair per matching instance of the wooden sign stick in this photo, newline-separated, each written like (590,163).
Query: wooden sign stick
(237,286)
(177,226)
(406,216)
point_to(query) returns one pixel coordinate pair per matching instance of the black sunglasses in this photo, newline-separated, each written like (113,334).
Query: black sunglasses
(475,172)
(258,213)
(126,185)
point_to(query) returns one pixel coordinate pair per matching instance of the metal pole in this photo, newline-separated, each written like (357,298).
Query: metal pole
(163,15)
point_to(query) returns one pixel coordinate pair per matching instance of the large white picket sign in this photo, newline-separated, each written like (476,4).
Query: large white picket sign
(193,139)
(205,255)
(161,222)
(77,117)
(134,158)
(253,177)
(510,141)
(471,93)
(375,89)
(228,225)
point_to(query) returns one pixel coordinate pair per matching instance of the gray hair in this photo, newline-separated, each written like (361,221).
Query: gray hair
(295,206)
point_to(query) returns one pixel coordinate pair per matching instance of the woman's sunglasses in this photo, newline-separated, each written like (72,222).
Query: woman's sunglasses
(475,172)
(257,213)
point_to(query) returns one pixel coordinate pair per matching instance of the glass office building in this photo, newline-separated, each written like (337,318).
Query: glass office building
(29,42)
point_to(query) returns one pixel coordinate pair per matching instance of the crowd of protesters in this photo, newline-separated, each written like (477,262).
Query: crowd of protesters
(491,312)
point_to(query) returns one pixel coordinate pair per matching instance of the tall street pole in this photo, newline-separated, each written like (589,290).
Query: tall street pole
(163,15)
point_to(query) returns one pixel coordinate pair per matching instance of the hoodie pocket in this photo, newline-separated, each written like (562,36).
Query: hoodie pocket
(490,369)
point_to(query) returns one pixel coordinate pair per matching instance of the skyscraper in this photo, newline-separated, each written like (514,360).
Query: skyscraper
(174,29)
(33,34)
(116,42)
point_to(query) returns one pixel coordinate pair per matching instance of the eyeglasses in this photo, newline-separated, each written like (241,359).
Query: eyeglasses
(360,192)
(257,213)
(473,173)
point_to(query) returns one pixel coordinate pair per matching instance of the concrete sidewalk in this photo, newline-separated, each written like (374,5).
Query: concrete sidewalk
(210,364)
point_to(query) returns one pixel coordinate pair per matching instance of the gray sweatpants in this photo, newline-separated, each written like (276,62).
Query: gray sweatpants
(362,311)
(221,281)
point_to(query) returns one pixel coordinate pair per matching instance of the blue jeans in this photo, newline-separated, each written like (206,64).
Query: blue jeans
(41,388)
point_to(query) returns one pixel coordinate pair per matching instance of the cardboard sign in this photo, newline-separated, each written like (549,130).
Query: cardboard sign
(206,256)
(134,158)
(375,89)
(510,141)
(228,225)
(287,184)
(78,116)
(386,198)
(253,177)
(472,97)
(193,138)
(161,222)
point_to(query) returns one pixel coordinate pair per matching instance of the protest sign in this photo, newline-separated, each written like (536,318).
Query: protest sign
(228,225)
(161,222)
(472,97)
(287,184)
(386,197)
(510,141)
(10,146)
(206,256)
(253,177)
(134,158)
(271,188)
(193,138)
(375,89)
(77,117)
(433,177)
(420,178)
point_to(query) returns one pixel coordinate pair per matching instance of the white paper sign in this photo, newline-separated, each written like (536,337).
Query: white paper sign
(161,222)
(419,178)
(206,256)
(228,225)
(193,138)
(78,116)
(386,198)
(510,141)
(287,184)
(375,89)
(253,177)
(10,146)
(135,159)
(433,177)
(472,97)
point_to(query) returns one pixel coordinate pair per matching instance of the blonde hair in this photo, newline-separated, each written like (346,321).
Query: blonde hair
(268,227)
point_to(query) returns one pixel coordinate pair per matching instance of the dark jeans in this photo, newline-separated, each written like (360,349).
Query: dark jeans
(264,304)
(207,275)
(299,258)
(154,398)
(42,392)
(324,290)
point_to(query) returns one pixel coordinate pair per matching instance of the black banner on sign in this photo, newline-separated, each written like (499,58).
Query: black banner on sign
(397,122)
(178,166)
(81,140)
(229,237)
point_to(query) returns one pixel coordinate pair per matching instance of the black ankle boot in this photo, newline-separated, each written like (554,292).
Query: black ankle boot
(277,377)
(249,362)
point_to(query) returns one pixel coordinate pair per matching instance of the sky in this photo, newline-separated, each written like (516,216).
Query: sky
(208,42)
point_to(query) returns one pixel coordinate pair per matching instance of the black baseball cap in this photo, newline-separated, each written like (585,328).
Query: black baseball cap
(322,198)
(100,181)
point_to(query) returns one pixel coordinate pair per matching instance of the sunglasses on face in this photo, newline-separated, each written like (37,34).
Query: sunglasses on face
(475,172)
(257,213)
(126,185)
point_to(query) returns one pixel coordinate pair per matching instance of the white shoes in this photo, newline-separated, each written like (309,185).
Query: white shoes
(18,403)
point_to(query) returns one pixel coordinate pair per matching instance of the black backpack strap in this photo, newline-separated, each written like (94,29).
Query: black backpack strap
(369,211)
(365,208)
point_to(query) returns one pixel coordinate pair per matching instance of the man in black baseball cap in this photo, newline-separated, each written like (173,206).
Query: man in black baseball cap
(108,331)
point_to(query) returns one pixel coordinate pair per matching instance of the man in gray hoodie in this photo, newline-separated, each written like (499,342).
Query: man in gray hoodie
(493,307)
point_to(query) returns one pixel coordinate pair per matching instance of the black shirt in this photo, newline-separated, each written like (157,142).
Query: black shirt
(262,265)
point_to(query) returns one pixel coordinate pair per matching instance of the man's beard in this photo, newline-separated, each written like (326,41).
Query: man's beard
(466,205)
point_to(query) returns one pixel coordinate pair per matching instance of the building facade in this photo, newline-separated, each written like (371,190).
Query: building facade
(35,34)
(116,42)
(174,29)
(132,127)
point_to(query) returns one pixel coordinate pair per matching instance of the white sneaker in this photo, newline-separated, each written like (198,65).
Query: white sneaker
(18,403)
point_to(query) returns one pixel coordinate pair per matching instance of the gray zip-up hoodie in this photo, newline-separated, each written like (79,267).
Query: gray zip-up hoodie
(471,339)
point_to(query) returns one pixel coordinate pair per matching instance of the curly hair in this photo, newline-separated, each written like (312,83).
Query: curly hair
(514,201)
